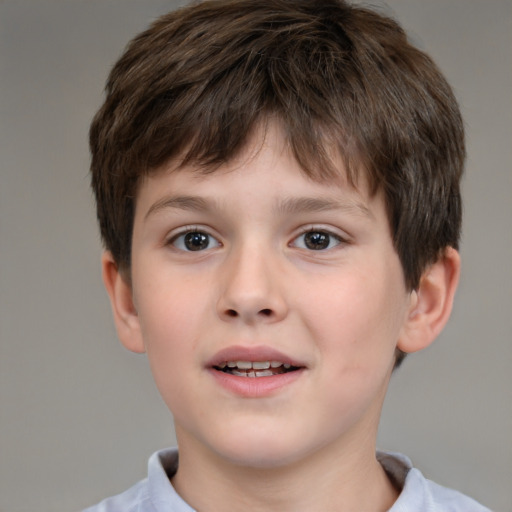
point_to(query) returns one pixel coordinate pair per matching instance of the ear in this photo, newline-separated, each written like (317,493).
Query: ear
(431,303)
(119,290)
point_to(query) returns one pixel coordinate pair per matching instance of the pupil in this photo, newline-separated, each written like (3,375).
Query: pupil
(316,240)
(196,241)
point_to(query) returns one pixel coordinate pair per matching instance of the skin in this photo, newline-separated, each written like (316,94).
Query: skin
(339,312)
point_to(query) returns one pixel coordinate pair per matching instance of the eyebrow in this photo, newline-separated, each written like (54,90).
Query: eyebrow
(291,205)
(192,203)
(295,205)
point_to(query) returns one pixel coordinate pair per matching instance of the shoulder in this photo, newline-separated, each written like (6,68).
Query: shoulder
(133,500)
(153,494)
(448,500)
(419,494)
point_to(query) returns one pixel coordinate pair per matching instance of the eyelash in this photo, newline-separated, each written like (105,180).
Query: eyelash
(322,231)
(212,241)
(191,230)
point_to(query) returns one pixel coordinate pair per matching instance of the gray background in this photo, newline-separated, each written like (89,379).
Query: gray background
(79,414)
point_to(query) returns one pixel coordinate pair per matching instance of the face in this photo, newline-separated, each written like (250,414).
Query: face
(270,306)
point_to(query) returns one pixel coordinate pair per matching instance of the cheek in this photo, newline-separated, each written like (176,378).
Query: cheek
(355,319)
(170,317)
(170,305)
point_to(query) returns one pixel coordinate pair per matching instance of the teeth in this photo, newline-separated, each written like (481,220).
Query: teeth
(263,365)
(260,373)
(253,368)
(253,365)
(264,373)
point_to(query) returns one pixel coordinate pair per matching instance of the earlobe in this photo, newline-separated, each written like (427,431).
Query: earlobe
(126,318)
(431,303)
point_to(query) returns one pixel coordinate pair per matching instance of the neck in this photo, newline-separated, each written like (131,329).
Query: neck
(325,480)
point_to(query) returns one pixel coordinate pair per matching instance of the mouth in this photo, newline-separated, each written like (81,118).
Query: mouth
(255,369)
(255,372)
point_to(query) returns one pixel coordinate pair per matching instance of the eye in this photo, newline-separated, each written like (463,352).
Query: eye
(194,241)
(317,240)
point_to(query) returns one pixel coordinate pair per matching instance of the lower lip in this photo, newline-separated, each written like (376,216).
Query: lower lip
(255,387)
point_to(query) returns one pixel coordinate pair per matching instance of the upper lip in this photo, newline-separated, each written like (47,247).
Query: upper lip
(257,353)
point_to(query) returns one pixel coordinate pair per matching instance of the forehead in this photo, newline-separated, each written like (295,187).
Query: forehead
(265,171)
(269,141)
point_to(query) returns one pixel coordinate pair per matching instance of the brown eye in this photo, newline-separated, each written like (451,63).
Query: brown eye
(194,241)
(317,240)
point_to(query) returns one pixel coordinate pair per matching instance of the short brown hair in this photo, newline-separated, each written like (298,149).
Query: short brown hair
(198,81)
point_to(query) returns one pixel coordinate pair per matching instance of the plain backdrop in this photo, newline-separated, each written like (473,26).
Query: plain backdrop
(79,415)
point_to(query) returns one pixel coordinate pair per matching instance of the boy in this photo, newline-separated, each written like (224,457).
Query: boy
(277,187)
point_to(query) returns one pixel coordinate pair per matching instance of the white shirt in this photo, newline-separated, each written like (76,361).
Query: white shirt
(156,493)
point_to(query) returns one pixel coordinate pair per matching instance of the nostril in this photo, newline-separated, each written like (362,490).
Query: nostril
(266,312)
(232,313)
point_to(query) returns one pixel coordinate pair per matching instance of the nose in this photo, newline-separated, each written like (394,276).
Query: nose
(252,288)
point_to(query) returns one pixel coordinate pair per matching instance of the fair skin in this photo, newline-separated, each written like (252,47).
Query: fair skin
(258,263)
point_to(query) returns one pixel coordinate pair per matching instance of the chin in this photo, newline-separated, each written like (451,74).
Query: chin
(260,459)
(261,450)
